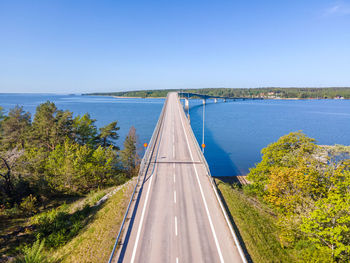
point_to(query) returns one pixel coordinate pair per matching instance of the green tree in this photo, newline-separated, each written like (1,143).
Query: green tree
(77,168)
(108,134)
(66,167)
(51,126)
(15,128)
(288,151)
(129,153)
(328,224)
(85,130)
(103,166)
(2,115)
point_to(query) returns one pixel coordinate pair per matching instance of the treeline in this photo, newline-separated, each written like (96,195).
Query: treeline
(269,92)
(310,193)
(56,154)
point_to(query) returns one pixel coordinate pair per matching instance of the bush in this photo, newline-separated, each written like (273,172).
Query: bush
(58,226)
(34,253)
(13,212)
(28,205)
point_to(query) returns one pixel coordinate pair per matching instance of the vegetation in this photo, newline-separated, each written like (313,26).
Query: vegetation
(270,92)
(309,195)
(34,253)
(50,158)
(95,241)
(257,224)
(129,153)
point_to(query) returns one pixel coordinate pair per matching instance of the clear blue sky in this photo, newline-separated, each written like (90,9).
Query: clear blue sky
(84,46)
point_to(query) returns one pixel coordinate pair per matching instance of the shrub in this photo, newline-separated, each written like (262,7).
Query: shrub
(58,226)
(34,253)
(28,205)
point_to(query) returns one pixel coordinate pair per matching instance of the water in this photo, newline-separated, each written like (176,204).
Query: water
(235,132)
(141,113)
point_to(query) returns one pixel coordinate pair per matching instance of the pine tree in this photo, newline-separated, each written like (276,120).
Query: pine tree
(129,155)
(51,126)
(108,134)
(85,130)
(15,128)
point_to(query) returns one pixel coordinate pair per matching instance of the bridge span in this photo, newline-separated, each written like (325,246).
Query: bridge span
(175,214)
(187,95)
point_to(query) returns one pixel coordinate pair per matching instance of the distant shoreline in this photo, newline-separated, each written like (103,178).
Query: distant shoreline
(130,97)
(137,97)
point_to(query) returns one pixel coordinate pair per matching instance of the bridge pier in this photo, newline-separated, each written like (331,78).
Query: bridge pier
(203,101)
(224,100)
(187,104)
(215,100)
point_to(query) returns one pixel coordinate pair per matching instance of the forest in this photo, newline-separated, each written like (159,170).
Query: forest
(268,92)
(56,156)
(308,188)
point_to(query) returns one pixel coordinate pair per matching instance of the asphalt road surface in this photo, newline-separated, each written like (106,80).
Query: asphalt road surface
(178,217)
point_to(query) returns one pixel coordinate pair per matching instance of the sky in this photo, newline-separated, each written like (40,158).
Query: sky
(100,46)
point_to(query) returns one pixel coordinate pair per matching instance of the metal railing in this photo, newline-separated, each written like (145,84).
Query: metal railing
(145,162)
(214,186)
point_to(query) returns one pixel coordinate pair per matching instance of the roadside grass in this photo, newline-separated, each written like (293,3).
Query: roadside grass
(16,229)
(59,222)
(95,241)
(256,225)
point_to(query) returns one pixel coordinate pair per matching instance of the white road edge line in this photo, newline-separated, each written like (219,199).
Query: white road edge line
(203,197)
(230,227)
(141,221)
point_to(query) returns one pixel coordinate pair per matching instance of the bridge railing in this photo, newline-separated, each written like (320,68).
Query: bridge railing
(214,186)
(144,165)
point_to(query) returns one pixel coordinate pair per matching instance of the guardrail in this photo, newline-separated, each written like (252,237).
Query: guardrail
(212,182)
(143,171)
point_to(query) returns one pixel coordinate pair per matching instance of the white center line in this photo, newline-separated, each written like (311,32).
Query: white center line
(174,177)
(175,225)
(177,260)
(175,197)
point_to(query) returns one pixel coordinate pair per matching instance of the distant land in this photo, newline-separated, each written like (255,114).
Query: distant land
(267,93)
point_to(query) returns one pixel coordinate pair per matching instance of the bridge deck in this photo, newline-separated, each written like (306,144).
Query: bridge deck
(177,217)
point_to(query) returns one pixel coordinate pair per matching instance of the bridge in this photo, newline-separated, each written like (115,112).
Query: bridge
(187,95)
(175,213)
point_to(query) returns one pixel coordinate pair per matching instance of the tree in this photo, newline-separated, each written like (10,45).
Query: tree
(104,166)
(15,128)
(8,161)
(85,130)
(108,134)
(51,126)
(288,151)
(2,115)
(77,168)
(329,223)
(129,153)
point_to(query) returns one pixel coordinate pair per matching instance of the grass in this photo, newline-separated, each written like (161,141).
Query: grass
(95,242)
(86,223)
(256,225)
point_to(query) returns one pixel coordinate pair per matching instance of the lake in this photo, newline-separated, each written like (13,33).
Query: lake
(235,132)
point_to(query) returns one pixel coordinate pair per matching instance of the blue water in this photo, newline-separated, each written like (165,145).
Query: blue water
(141,113)
(235,132)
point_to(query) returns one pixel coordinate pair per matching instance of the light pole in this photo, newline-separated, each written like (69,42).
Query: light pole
(203,145)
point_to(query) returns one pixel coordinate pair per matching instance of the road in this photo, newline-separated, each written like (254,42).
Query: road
(177,218)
